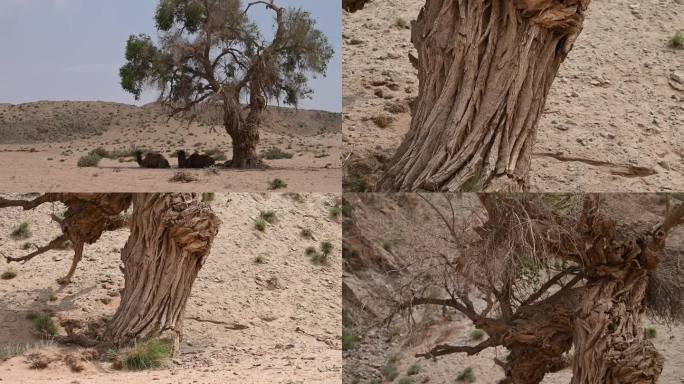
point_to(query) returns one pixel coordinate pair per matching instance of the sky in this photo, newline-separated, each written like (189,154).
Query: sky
(73,49)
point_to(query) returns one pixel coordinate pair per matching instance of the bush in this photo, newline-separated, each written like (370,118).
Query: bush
(151,354)
(269,216)
(349,339)
(326,248)
(277,184)
(260,224)
(336,212)
(89,161)
(650,333)
(275,153)
(45,326)
(23,231)
(467,376)
(476,334)
(260,259)
(413,370)
(677,40)
(389,370)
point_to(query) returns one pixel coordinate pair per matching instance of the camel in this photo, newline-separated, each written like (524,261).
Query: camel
(194,161)
(152,160)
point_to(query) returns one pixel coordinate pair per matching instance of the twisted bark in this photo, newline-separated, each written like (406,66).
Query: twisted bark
(171,236)
(485,69)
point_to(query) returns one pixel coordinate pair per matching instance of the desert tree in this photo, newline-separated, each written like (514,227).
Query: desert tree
(485,68)
(170,239)
(211,55)
(542,275)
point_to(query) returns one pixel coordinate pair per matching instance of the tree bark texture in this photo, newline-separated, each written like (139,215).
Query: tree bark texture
(485,69)
(171,236)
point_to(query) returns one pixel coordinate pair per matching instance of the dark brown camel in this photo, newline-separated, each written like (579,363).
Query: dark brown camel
(152,160)
(195,160)
(353,5)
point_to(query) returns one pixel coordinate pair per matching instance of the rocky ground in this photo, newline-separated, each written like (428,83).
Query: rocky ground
(46,139)
(247,322)
(379,249)
(619,97)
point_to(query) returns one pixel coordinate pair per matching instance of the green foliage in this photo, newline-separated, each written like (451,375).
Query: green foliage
(349,339)
(90,160)
(677,40)
(466,376)
(326,248)
(260,224)
(650,333)
(336,212)
(238,49)
(277,184)
(208,197)
(269,216)
(150,354)
(23,231)
(45,326)
(389,370)
(477,334)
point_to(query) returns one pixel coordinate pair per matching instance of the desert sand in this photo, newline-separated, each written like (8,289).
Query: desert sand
(237,327)
(615,99)
(41,143)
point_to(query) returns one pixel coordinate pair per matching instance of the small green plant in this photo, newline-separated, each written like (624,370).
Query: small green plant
(677,40)
(8,351)
(349,339)
(650,333)
(306,233)
(389,370)
(23,231)
(413,369)
(89,161)
(277,184)
(260,259)
(52,297)
(269,216)
(150,354)
(275,153)
(327,248)
(9,274)
(321,257)
(336,212)
(45,326)
(467,376)
(208,197)
(387,245)
(260,224)
(476,334)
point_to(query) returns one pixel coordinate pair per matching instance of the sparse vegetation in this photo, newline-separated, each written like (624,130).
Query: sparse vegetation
(382,120)
(467,376)
(9,274)
(22,231)
(208,197)
(321,257)
(90,160)
(260,224)
(677,40)
(45,325)
(8,351)
(413,369)
(477,334)
(260,259)
(387,245)
(650,333)
(349,339)
(306,233)
(269,216)
(401,23)
(310,251)
(389,370)
(277,184)
(275,153)
(336,212)
(150,354)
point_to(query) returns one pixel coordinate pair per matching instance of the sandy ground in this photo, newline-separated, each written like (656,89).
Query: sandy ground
(44,140)
(612,100)
(381,220)
(291,334)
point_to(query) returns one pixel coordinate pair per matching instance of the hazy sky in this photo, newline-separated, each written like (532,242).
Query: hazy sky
(73,49)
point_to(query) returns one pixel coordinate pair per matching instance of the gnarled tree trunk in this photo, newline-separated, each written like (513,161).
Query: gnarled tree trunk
(485,69)
(171,236)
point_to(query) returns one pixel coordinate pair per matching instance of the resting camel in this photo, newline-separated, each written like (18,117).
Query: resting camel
(152,160)
(83,222)
(195,160)
(353,5)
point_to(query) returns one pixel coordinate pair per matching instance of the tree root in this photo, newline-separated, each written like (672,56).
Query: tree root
(623,170)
